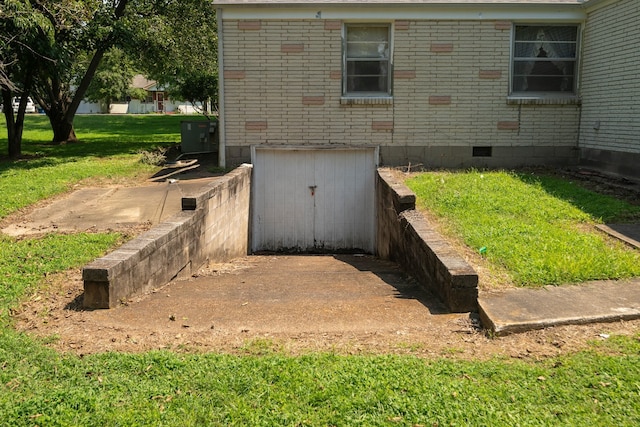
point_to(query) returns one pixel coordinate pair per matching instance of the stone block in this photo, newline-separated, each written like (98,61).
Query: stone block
(441,47)
(330,25)
(96,294)
(292,47)
(249,25)
(401,25)
(440,100)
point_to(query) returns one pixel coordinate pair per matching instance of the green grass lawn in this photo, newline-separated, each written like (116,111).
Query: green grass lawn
(39,386)
(538,228)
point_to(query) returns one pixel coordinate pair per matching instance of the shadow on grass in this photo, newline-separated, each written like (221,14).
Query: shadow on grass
(99,136)
(599,206)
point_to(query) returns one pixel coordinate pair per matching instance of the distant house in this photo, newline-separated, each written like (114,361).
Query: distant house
(156,101)
(437,83)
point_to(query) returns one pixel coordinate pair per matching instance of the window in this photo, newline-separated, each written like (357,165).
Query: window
(366,69)
(544,59)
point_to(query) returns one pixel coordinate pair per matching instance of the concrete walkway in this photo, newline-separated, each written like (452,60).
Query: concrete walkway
(287,294)
(518,310)
(100,209)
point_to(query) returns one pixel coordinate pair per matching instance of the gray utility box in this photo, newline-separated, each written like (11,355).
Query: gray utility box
(198,136)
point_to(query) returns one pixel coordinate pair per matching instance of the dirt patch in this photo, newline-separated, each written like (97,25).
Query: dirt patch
(55,315)
(615,186)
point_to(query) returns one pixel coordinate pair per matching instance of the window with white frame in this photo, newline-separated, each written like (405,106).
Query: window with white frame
(544,59)
(367,64)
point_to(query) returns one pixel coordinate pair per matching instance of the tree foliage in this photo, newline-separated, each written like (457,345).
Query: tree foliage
(112,81)
(56,47)
(178,47)
(52,50)
(83,32)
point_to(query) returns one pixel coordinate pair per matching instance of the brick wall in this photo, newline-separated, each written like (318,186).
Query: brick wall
(610,122)
(283,86)
(406,237)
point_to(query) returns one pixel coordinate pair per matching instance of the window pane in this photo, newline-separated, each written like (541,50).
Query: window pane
(367,84)
(544,58)
(549,50)
(367,59)
(368,49)
(562,68)
(367,34)
(543,84)
(367,76)
(367,42)
(546,33)
(363,68)
(543,76)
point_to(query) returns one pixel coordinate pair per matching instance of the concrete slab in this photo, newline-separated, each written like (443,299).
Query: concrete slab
(628,233)
(287,294)
(100,209)
(518,310)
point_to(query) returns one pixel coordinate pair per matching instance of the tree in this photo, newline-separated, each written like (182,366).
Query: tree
(21,27)
(173,42)
(83,32)
(178,47)
(54,48)
(112,80)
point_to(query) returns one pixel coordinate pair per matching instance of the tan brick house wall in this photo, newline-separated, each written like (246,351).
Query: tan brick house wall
(283,85)
(610,126)
(458,99)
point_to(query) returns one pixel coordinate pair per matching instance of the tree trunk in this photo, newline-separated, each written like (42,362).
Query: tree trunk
(15,121)
(63,131)
(15,141)
(14,126)
(62,120)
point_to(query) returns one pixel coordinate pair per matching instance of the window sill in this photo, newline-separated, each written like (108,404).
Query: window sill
(543,99)
(366,100)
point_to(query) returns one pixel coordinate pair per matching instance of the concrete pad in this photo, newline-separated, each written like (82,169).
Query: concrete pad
(518,310)
(101,209)
(288,294)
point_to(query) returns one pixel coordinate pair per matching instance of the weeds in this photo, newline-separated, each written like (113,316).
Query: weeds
(156,157)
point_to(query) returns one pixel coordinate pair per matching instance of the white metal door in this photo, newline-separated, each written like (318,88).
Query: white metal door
(307,199)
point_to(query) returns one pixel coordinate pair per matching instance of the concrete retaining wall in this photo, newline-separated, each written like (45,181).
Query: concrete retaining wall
(213,226)
(405,236)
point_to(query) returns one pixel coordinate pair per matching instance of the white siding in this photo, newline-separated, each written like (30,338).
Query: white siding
(610,83)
